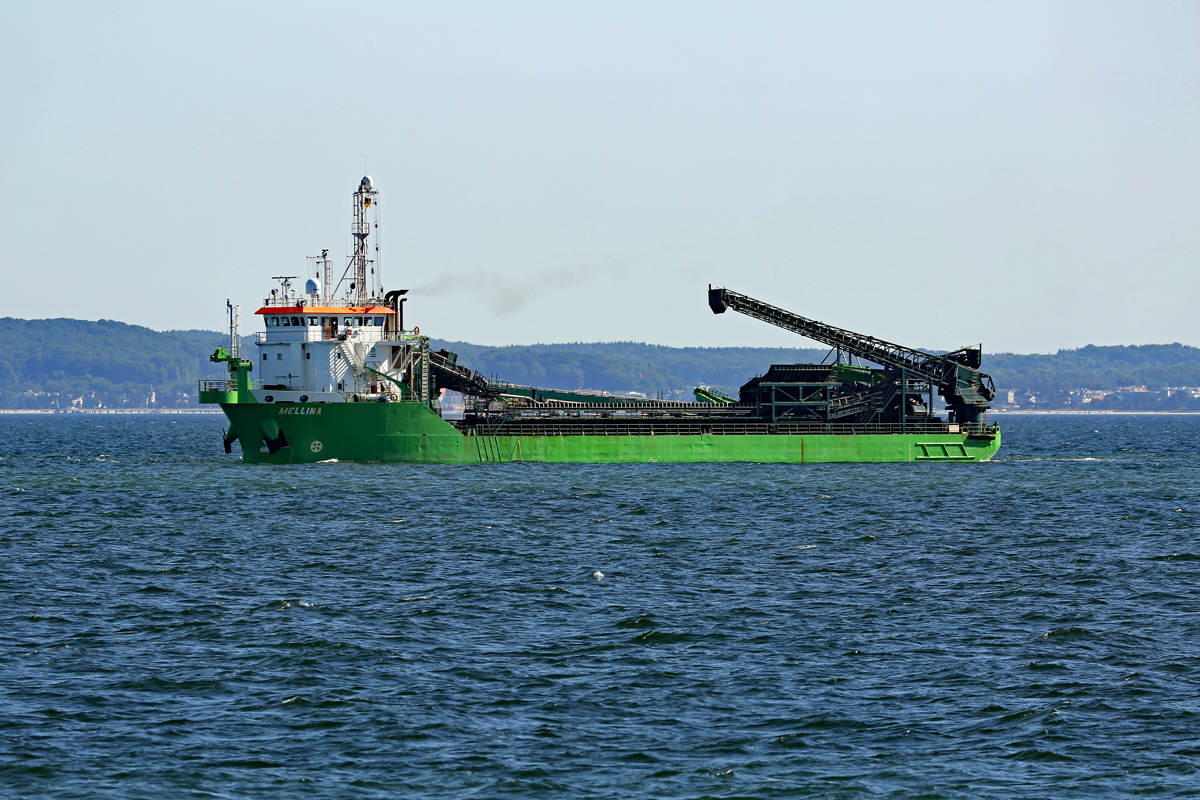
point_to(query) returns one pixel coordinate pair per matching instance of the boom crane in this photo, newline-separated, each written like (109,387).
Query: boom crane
(967,391)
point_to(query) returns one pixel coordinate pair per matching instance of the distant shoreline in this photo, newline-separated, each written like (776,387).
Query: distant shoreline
(1081,412)
(110,411)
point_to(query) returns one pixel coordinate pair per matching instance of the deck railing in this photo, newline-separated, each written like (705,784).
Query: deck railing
(574,426)
(317,333)
(225,385)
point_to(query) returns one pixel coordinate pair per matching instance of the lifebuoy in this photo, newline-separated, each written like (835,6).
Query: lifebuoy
(416,330)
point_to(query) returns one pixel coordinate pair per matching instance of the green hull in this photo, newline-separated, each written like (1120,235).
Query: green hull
(412,433)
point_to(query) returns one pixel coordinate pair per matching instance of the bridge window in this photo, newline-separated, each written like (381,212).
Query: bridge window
(296,321)
(285,322)
(312,322)
(279,356)
(378,322)
(264,356)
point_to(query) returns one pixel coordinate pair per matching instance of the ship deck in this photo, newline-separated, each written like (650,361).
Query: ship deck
(681,419)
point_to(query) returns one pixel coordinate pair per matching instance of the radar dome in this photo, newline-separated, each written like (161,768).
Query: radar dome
(311,287)
(367,183)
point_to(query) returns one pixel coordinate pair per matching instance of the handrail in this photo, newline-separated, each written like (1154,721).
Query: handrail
(225,385)
(727,427)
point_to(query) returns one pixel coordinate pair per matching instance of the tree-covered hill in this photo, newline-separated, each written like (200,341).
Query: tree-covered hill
(1092,367)
(625,366)
(46,361)
(58,362)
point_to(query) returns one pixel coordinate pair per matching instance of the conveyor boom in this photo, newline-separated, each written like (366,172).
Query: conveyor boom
(954,374)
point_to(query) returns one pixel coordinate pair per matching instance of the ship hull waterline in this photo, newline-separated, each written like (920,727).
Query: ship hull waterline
(413,433)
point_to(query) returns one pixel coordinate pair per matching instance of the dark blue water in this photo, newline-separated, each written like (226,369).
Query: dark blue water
(175,624)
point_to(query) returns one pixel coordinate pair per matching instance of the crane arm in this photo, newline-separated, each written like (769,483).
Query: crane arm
(954,374)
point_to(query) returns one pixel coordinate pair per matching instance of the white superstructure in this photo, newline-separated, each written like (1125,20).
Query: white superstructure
(320,347)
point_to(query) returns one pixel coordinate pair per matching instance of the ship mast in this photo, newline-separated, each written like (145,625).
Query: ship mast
(361,262)
(324,274)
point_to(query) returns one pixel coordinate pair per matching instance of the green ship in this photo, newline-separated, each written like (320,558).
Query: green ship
(341,378)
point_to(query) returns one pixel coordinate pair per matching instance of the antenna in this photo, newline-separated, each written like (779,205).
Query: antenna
(378,261)
(324,275)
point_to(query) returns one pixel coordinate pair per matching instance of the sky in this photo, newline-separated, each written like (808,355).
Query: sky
(1021,175)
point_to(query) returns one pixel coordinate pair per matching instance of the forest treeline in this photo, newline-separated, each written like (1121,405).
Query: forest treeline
(58,362)
(1093,367)
(625,366)
(48,363)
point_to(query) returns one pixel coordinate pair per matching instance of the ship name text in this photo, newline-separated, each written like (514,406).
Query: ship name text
(284,410)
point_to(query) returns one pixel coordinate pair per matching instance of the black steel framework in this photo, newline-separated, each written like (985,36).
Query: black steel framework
(960,383)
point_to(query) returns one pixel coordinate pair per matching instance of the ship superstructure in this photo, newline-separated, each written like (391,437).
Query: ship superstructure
(339,376)
(340,340)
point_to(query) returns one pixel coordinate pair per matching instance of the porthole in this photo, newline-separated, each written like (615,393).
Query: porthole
(303,398)
(269,399)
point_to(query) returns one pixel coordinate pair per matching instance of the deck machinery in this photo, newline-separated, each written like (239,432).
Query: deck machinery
(889,390)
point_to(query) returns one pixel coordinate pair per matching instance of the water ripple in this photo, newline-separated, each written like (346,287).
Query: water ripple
(177,624)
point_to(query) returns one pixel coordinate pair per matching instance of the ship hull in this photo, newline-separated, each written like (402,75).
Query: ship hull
(296,433)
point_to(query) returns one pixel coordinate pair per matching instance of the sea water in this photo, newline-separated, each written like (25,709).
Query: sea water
(177,624)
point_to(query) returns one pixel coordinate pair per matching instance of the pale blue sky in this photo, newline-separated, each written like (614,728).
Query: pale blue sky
(1025,175)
